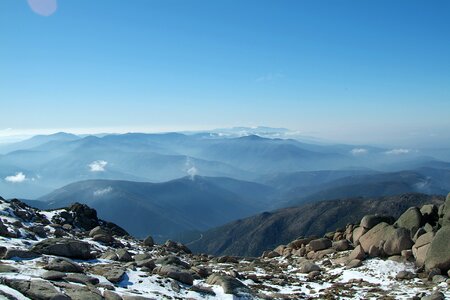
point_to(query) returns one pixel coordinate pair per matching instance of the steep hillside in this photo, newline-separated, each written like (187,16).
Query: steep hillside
(251,236)
(163,209)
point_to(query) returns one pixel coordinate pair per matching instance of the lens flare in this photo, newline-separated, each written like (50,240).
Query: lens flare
(43,7)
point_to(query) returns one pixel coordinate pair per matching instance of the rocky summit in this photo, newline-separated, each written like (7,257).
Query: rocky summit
(69,253)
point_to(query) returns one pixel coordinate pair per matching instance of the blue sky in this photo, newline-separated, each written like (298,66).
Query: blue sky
(353,71)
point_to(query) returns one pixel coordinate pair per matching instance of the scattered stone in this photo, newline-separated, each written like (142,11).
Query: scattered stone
(306,267)
(354,263)
(20,254)
(53,275)
(8,269)
(229,284)
(149,241)
(402,275)
(174,273)
(63,265)
(81,278)
(64,247)
(435,296)
(109,295)
(123,255)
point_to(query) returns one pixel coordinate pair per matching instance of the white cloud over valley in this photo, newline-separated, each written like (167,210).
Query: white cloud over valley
(359,151)
(98,166)
(102,192)
(19,177)
(399,151)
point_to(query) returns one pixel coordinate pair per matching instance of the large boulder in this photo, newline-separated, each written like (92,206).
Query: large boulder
(319,244)
(357,253)
(13,253)
(229,284)
(64,247)
(421,246)
(357,234)
(175,273)
(35,289)
(438,255)
(411,219)
(446,212)
(397,241)
(370,221)
(63,265)
(374,236)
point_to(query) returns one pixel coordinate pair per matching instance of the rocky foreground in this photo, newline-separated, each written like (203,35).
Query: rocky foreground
(70,254)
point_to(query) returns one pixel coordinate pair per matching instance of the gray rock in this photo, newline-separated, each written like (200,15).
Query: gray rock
(63,265)
(172,260)
(174,273)
(397,241)
(81,278)
(4,230)
(374,236)
(229,284)
(342,245)
(306,267)
(369,221)
(109,295)
(53,275)
(142,256)
(79,292)
(411,219)
(123,255)
(39,231)
(405,275)
(357,233)
(148,263)
(8,269)
(64,247)
(111,255)
(439,279)
(103,238)
(36,289)
(97,230)
(354,263)
(319,244)
(446,212)
(115,275)
(438,255)
(435,296)
(357,253)
(20,254)
(149,242)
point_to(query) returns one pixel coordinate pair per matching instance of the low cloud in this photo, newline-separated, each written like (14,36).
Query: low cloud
(98,166)
(399,151)
(359,151)
(190,168)
(102,192)
(19,177)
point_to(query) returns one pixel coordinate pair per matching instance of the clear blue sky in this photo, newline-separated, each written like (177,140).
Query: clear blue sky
(367,71)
